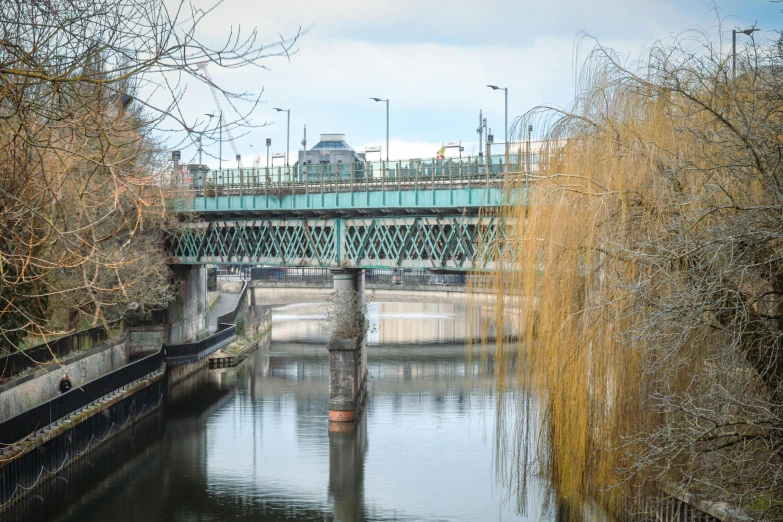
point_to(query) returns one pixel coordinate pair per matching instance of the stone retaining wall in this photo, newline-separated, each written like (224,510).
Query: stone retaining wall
(27,391)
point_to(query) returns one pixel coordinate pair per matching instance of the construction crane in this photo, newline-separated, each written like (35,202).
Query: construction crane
(212,87)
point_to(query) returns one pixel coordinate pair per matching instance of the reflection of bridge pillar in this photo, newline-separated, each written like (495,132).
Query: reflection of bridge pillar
(346,472)
(347,357)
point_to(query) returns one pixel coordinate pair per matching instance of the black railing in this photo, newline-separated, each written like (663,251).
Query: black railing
(322,277)
(390,276)
(412,277)
(188,353)
(310,275)
(231,317)
(28,422)
(23,360)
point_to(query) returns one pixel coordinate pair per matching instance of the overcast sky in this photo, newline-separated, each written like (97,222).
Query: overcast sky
(432,59)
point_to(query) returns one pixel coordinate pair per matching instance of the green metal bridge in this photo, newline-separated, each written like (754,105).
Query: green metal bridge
(427,214)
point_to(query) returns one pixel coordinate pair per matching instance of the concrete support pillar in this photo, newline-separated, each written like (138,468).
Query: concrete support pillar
(187,313)
(347,357)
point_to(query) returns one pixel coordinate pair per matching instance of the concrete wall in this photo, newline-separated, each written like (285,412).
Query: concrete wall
(211,298)
(188,312)
(287,295)
(229,287)
(32,389)
(180,372)
(184,379)
(145,340)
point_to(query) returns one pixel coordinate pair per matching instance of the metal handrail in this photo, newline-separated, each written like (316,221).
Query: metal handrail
(38,417)
(374,276)
(231,317)
(20,361)
(411,174)
(188,353)
(312,275)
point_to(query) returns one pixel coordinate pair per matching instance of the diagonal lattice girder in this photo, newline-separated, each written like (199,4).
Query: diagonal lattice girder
(442,242)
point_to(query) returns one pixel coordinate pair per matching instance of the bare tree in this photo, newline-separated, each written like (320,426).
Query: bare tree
(88,91)
(652,241)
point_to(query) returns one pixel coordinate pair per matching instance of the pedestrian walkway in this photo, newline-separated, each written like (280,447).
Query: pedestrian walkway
(226,303)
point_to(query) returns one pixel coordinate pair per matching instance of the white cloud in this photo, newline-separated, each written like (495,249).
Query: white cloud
(431,58)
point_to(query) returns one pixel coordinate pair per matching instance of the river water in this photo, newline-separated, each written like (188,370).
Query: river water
(252,443)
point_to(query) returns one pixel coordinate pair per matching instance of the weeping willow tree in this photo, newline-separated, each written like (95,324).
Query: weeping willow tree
(646,266)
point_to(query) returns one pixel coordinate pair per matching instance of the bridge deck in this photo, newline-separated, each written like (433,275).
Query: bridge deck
(413,214)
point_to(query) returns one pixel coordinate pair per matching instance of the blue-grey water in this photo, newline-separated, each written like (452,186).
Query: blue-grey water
(252,443)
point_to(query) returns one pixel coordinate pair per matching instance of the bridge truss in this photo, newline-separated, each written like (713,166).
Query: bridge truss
(453,243)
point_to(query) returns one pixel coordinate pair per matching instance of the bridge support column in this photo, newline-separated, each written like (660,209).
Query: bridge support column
(187,313)
(347,356)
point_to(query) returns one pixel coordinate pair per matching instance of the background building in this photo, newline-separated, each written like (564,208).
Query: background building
(331,156)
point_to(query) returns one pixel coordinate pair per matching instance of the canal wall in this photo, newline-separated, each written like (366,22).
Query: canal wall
(180,372)
(282,295)
(26,391)
(145,340)
(28,464)
(128,454)
(258,335)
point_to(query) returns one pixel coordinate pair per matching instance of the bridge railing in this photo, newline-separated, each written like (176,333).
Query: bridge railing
(306,275)
(411,174)
(313,276)
(26,423)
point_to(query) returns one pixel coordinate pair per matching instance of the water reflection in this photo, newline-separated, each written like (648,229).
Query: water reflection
(390,323)
(252,444)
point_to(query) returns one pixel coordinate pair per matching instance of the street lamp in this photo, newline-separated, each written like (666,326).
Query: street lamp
(288,133)
(505,90)
(749,31)
(387,124)
(220,139)
(200,134)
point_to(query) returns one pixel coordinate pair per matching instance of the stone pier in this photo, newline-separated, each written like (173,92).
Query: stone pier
(187,313)
(347,358)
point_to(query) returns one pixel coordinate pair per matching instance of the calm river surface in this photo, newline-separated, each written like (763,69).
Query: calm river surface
(252,443)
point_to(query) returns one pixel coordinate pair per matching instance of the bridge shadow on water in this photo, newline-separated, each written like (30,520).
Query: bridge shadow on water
(251,443)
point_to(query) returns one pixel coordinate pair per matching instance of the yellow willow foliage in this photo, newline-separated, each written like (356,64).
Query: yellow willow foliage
(605,266)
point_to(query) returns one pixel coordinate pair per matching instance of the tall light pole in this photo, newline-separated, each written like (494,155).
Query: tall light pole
(505,90)
(288,132)
(199,140)
(749,31)
(387,124)
(220,141)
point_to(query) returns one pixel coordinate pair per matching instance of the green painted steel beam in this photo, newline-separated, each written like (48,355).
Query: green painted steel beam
(453,242)
(391,200)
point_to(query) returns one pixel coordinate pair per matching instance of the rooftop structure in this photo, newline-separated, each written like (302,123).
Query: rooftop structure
(332,148)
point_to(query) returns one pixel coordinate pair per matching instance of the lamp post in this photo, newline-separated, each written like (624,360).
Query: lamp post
(200,134)
(749,31)
(220,140)
(387,124)
(287,132)
(505,91)
(268,144)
